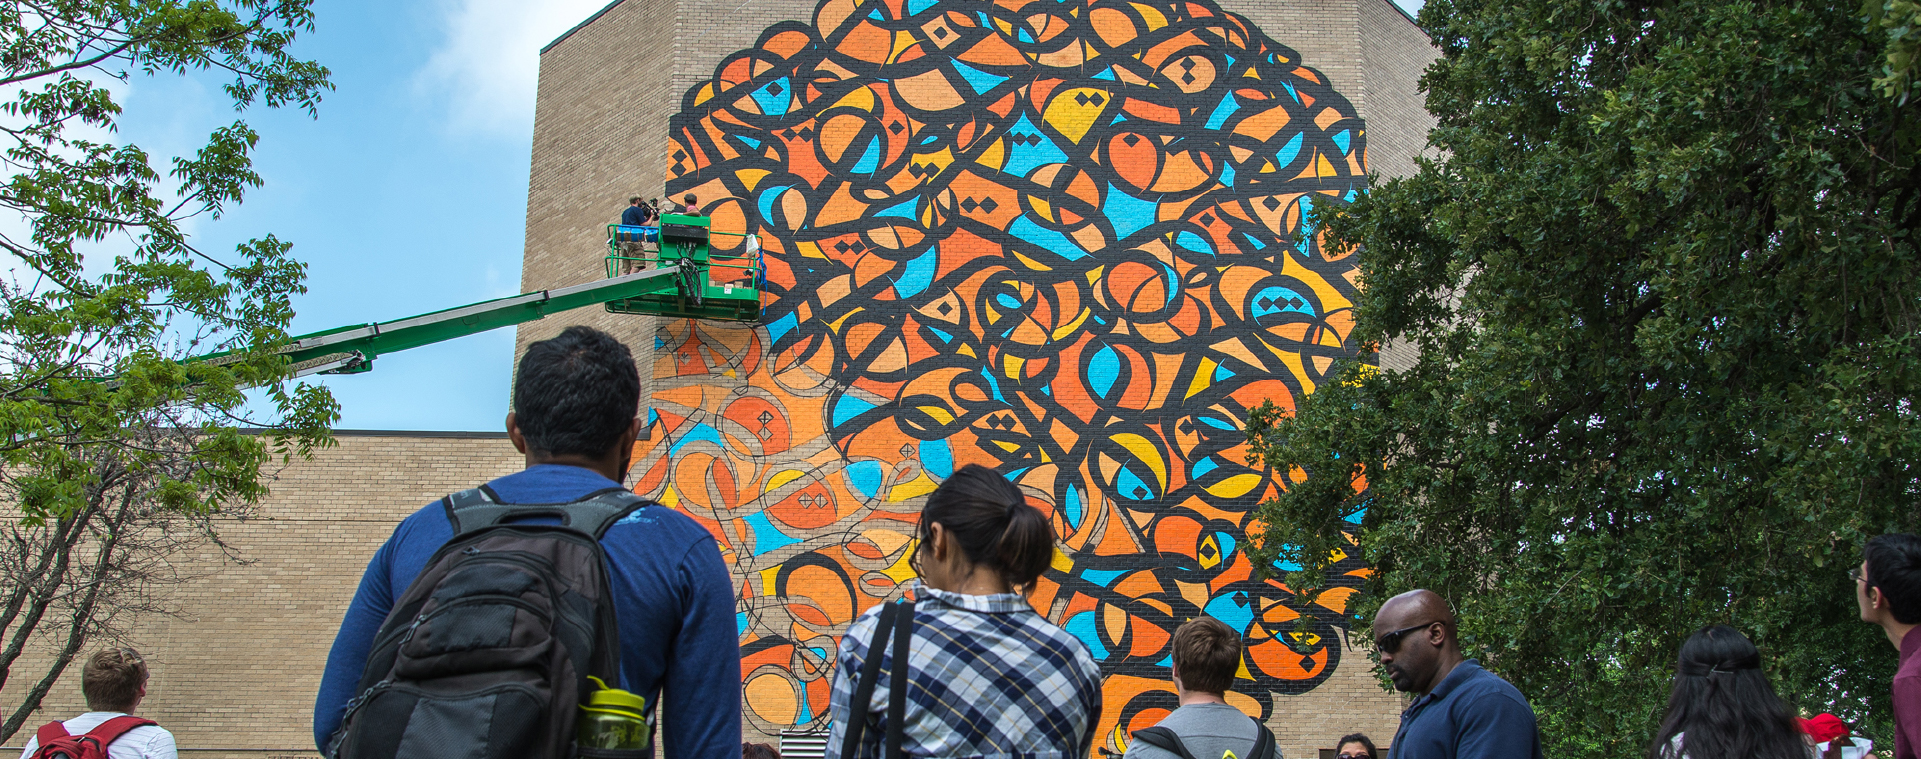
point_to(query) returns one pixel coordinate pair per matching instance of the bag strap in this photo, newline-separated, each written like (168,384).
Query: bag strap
(864,684)
(109,731)
(1168,740)
(1164,739)
(897,687)
(50,732)
(1263,741)
(479,507)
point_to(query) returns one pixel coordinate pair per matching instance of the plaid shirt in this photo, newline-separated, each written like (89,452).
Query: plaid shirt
(988,677)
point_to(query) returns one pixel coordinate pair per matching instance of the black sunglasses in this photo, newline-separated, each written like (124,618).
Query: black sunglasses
(1391,642)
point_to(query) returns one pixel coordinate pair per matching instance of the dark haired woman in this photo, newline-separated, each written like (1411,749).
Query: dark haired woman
(1354,746)
(1723,707)
(986,675)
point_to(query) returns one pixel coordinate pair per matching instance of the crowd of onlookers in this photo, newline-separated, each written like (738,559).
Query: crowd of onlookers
(961,666)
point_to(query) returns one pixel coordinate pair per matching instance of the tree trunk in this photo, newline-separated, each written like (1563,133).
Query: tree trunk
(80,620)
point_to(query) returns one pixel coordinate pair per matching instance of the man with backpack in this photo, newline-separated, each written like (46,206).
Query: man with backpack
(1207,653)
(114,681)
(477,625)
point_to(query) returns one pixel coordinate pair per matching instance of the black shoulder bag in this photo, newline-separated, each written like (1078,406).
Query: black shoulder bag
(899,620)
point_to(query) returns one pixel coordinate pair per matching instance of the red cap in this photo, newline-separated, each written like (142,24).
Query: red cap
(1824,727)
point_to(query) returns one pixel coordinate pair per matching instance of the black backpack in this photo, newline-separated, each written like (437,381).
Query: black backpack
(1165,739)
(487,653)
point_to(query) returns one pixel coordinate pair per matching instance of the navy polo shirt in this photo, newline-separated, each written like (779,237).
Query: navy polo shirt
(1472,714)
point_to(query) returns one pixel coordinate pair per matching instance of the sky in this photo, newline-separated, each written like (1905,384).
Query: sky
(406,194)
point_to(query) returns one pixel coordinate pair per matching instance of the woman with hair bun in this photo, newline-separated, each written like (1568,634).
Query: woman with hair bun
(985,675)
(1723,707)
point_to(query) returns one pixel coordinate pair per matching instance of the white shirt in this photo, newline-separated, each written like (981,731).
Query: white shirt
(144,742)
(1862,749)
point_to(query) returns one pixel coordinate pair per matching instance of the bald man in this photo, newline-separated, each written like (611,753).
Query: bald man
(1460,711)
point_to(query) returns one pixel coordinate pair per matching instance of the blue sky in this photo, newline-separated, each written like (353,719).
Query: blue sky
(408,193)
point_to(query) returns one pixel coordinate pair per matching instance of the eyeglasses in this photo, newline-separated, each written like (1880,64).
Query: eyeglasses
(1857,575)
(1352,756)
(1391,642)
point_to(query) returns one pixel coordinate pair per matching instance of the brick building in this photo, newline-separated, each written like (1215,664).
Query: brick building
(1068,241)
(234,671)
(1063,240)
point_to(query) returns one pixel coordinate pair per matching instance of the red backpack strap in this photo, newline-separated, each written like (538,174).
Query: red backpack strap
(50,732)
(109,731)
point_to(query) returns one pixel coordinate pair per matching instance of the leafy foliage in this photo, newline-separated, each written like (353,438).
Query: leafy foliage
(103,429)
(1901,21)
(1663,281)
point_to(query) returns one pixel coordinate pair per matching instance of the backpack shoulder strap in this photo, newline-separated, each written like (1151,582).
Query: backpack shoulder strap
(1263,741)
(864,684)
(897,685)
(1164,739)
(474,508)
(50,732)
(599,511)
(480,507)
(109,731)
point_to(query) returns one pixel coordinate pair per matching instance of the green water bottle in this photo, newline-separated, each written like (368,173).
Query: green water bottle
(613,718)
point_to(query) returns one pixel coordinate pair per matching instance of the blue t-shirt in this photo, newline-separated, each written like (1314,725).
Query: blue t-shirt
(672,593)
(1472,714)
(634,216)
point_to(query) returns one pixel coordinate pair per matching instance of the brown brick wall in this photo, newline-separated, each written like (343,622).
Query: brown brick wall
(238,666)
(605,83)
(1397,52)
(1394,53)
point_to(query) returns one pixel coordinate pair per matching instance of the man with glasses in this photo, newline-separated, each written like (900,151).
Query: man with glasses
(1887,587)
(1460,711)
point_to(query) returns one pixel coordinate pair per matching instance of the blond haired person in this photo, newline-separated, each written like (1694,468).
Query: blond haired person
(114,681)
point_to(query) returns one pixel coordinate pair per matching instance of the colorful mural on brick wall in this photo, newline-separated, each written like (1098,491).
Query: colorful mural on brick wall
(1068,240)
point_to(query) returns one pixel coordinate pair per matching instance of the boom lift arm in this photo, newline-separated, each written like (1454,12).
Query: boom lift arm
(672,282)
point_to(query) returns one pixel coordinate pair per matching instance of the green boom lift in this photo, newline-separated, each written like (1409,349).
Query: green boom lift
(676,280)
(715,286)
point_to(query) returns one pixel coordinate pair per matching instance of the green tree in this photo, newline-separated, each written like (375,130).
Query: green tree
(1900,20)
(110,445)
(1662,275)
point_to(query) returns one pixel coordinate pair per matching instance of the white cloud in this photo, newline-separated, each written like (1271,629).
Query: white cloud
(497,283)
(485,69)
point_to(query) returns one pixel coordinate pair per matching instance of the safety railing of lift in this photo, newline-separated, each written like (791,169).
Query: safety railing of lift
(752,263)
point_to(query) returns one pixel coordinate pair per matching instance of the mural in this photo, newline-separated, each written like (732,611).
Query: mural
(1067,240)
